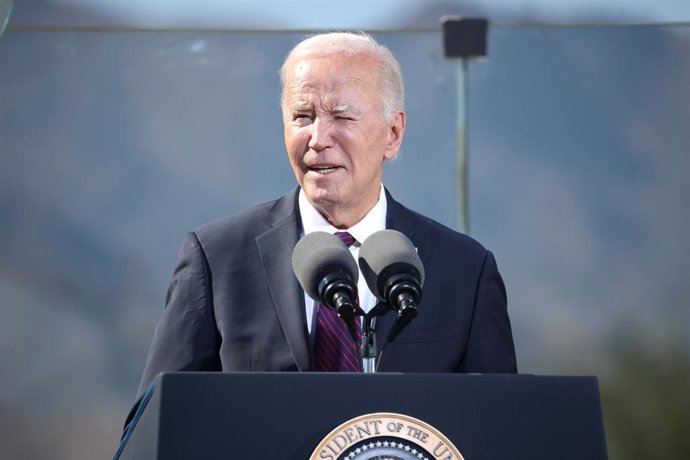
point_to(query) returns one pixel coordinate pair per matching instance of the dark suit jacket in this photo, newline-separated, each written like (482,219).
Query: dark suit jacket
(234,303)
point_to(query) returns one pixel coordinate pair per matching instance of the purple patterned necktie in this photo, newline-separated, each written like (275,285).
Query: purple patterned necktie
(334,350)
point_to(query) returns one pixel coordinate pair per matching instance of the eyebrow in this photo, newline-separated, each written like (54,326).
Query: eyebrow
(341,108)
(300,106)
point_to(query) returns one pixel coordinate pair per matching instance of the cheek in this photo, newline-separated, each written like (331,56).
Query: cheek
(297,134)
(292,141)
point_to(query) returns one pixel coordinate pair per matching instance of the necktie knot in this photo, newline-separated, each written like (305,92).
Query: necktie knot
(346,238)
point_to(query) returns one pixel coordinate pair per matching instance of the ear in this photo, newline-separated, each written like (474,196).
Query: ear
(396,129)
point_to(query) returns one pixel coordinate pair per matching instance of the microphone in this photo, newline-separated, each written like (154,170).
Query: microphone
(328,273)
(394,273)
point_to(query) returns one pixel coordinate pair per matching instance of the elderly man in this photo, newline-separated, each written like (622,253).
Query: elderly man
(234,303)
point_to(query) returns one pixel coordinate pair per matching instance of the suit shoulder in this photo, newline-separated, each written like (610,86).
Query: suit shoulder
(223,225)
(247,224)
(446,238)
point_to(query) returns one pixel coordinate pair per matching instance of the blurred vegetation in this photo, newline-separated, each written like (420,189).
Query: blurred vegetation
(646,400)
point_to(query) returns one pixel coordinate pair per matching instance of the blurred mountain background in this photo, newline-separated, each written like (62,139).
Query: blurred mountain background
(125,124)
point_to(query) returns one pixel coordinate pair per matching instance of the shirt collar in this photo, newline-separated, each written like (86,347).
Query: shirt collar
(372,222)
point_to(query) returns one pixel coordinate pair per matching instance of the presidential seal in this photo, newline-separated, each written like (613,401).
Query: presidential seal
(385,436)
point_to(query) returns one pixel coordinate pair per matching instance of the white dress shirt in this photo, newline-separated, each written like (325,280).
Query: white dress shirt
(374,221)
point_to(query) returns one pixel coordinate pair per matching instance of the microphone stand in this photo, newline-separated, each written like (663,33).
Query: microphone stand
(368,350)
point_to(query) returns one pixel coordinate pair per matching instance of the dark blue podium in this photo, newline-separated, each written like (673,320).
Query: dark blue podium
(286,415)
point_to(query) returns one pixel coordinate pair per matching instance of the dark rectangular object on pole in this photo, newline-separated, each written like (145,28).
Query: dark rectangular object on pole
(286,415)
(464,37)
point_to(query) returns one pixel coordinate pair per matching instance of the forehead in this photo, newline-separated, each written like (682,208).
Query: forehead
(331,74)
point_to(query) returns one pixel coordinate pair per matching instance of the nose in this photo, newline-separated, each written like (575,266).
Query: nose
(320,134)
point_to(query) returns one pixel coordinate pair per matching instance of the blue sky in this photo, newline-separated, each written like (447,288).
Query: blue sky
(336,14)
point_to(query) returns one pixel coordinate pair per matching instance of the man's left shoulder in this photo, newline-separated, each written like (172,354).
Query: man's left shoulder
(425,230)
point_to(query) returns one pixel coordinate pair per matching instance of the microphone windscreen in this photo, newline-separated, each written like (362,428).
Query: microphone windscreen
(317,255)
(387,253)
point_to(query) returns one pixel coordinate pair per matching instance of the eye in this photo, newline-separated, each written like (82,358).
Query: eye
(302,118)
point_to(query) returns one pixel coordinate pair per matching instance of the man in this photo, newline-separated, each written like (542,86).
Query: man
(234,303)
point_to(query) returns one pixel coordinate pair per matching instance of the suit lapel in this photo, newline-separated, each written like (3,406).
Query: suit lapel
(408,223)
(275,250)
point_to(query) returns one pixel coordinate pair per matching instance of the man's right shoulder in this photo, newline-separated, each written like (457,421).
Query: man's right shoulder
(250,223)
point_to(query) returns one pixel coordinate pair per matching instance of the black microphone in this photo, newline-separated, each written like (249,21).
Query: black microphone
(328,273)
(394,273)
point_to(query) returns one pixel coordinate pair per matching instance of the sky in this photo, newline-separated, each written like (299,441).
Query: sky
(336,14)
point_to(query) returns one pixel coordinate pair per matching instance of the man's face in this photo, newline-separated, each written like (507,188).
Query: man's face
(335,134)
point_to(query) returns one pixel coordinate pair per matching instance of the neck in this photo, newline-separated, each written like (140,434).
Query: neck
(342,217)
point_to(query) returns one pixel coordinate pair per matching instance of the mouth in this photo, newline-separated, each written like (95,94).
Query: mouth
(323,169)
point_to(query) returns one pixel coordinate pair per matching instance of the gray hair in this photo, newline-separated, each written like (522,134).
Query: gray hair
(393,97)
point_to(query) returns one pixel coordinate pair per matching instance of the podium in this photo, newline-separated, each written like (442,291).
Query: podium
(286,416)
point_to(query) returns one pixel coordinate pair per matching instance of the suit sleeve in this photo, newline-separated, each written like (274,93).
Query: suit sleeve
(490,346)
(186,337)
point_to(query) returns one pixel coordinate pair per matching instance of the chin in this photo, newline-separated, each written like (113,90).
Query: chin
(321,196)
